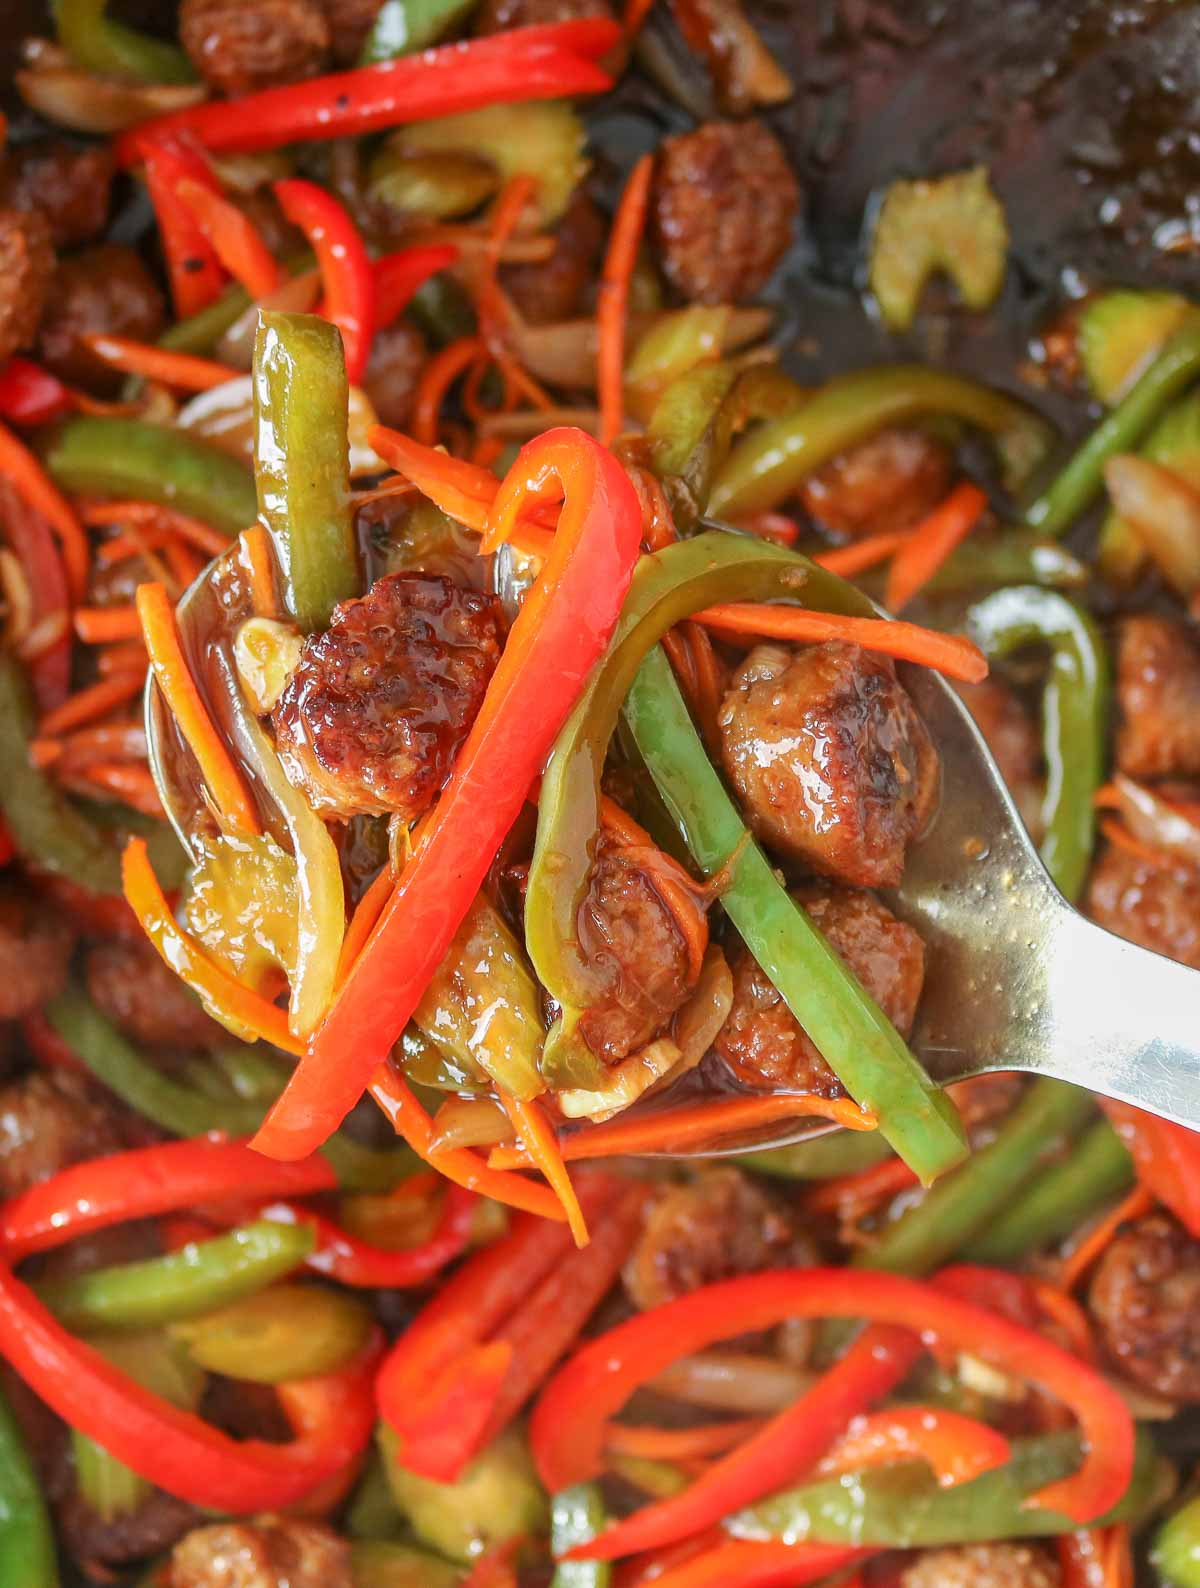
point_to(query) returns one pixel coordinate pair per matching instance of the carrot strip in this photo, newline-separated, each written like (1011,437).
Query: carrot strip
(1118,1560)
(1117,833)
(931,543)
(132,784)
(126,656)
(958,1448)
(1090,1246)
(612,304)
(502,223)
(860,555)
(96,625)
(680,1444)
(179,950)
(234,238)
(37,490)
(1068,1314)
(193,530)
(186,567)
(677,1128)
(183,370)
(636,12)
(229,791)
(952,654)
(1107,798)
(850,1193)
(254,545)
(91,703)
(110,741)
(437,377)
(362,922)
(668,879)
(133,543)
(536,1135)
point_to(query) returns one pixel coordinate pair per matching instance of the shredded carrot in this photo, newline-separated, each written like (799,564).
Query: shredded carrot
(503,220)
(674,1129)
(437,377)
(110,741)
(225,783)
(680,1444)
(668,878)
(931,542)
(126,656)
(1090,1246)
(1118,1559)
(362,923)
(182,370)
(185,565)
(134,543)
(90,703)
(636,12)
(613,301)
(485,450)
(1107,798)
(952,654)
(181,952)
(1068,1314)
(658,521)
(97,625)
(254,546)
(537,1137)
(851,1194)
(1117,833)
(37,490)
(132,784)
(861,555)
(234,238)
(523,382)
(193,530)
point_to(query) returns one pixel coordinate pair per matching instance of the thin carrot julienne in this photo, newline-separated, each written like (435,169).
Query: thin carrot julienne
(628,224)
(98,625)
(849,1193)
(254,545)
(1118,834)
(861,555)
(931,542)
(362,922)
(123,656)
(436,379)
(651,1443)
(90,703)
(191,529)
(130,783)
(234,238)
(33,485)
(183,370)
(502,223)
(537,1137)
(1090,1246)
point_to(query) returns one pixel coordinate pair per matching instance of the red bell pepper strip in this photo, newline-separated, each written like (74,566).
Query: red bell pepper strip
(233,235)
(7,848)
(30,538)
(145,1181)
(569,1423)
(1166,1157)
(31,395)
(747,1563)
(544,62)
(333,1415)
(344,264)
(558,635)
(25,474)
(193,270)
(398,275)
(957,1448)
(495,1569)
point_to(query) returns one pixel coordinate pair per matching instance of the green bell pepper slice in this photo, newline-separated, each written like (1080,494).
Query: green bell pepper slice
(402,27)
(377,1563)
(825,1157)
(98,44)
(1176,1552)
(1014,556)
(288,1331)
(27,1555)
(302,463)
(577,1515)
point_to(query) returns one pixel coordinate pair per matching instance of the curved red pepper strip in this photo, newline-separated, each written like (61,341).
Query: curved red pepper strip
(38,553)
(193,269)
(31,395)
(1166,1157)
(569,1422)
(544,62)
(233,235)
(559,634)
(333,1417)
(957,1448)
(748,1563)
(344,263)
(7,848)
(398,275)
(143,1182)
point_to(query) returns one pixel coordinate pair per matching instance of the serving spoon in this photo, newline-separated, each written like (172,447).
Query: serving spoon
(1015,979)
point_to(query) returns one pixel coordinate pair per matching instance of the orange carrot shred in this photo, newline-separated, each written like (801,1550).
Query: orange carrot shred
(929,545)
(636,12)
(234,237)
(1117,833)
(37,490)
(132,784)
(437,377)
(502,223)
(225,782)
(259,561)
(537,1137)
(362,923)
(125,656)
(854,1193)
(1090,1246)
(193,530)
(97,625)
(183,370)
(860,555)
(186,567)
(952,654)
(625,239)
(90,703)
(668,879)
(651,1443)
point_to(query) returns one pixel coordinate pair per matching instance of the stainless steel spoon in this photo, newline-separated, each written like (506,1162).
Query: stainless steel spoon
(1016,978)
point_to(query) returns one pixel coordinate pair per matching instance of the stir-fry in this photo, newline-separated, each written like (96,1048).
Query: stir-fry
(459,757)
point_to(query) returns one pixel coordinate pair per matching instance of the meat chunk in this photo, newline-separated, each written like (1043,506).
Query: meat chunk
(397,357)
(499,16)
(716,1226)
(1012,737)
(36,940)
(983,1566)
(153,1525)
(635,952)
(49,1120)
(553,289)
(1156,906)
(69,184)
(238,47)
(1158,690)
(1145,1299)
(129,983)
(350,21)
(834,766)
(26,265)
(104,290)
(889,482)
(272,1552)
(372,717)
(762,1041)
(722,209)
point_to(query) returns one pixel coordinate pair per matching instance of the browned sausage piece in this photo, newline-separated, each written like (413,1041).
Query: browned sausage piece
(238,46)
(1145,1298)
(128,982)
(36,940)
(834,767)
(271,1552)
(714,1227)
(69,184)
(553,289)
(26,266)
(762,1041)
(154,1524)
(1156,906)
(635,952)
(372,717)
(103,291)
(1158,690)
(1012,737)
(350,21)
(498,16)
(889,482)
(49,1120)
(398,354)
(722,208)
(983,1566)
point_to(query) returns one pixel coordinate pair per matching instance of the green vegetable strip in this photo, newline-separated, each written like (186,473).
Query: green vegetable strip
(49,831)
(1015,556)
(1175,368)
(778,456)
(862,1045)
(823,1158)
(902,1507)
(184,1284)
(1176,1554)
(200,332)
(107,1485)
(1095,1173)
(375,1563)
(301,450)
(27,1558)
(130,458)
(111,50)
(578,1514)
(403,27)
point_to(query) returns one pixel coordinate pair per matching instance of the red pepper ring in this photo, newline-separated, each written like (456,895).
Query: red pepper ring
(570,1421)
(144,1182)
(333,1417)
(345,266)
(559,634)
